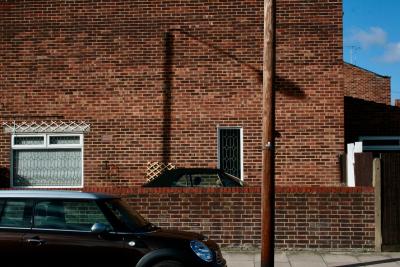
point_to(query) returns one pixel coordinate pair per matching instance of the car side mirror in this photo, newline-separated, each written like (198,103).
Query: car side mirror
(100,228)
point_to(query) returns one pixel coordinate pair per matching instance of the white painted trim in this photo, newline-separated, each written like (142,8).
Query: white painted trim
(351,150)
(241,147)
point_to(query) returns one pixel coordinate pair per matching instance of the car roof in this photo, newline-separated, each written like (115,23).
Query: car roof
(52,194)
(194,170)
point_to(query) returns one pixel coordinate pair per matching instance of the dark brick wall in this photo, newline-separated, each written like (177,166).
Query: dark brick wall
(155,79)
(363,84)
(331,218)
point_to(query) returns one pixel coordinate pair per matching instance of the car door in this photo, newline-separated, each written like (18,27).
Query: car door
(62,231)
(15,221)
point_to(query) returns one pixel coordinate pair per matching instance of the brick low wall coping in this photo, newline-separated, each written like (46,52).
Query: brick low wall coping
(278,189)
(163,190)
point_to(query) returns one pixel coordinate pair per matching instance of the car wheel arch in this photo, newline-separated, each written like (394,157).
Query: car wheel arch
(158,255)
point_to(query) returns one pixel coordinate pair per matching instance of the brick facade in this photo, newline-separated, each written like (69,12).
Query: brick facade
(155,79)
(363,84)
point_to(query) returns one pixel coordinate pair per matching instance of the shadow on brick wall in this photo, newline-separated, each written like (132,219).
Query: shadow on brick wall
(283,85)
(167,89)
(4,177)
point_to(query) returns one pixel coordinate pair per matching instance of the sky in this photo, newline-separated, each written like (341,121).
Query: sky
(371,37)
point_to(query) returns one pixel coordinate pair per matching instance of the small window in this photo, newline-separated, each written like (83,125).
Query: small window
(15,214)
(68,215)
(64,140)
(29,141)
(230,150)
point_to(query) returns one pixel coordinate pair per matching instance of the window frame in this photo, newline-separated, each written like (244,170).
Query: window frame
(47,146)
(219,128)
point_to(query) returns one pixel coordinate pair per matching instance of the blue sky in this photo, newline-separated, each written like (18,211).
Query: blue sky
(371,30)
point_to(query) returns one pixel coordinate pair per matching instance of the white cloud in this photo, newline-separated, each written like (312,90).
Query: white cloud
(392,53)
(373,36)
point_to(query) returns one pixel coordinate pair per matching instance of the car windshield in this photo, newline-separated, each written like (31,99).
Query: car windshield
(127,216)
(230,180)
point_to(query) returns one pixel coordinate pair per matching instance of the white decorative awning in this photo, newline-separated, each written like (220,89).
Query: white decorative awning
(46,127)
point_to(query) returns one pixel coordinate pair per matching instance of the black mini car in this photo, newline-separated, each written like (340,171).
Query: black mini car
(55,228)
(195,177)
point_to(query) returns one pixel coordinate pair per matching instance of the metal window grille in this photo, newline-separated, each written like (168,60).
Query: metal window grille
(230,150)
(47,160)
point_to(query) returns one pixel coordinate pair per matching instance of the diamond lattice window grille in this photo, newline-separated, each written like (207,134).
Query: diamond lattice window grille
(46,127)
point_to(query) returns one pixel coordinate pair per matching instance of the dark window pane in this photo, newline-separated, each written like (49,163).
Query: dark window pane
(381,142)
(29,140)
(206,180)
(181,182)
(68,215)
(13,214)
(229,151)
(64,140)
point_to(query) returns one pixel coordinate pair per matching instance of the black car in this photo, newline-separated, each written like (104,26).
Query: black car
(54,228)
(195,177)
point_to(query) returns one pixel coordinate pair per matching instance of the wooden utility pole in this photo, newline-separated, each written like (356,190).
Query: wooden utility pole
(267,192)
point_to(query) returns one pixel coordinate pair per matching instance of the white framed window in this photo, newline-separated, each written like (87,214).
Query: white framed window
(47,160)
(230,150)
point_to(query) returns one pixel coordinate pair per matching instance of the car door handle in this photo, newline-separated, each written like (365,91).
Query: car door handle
(35,241)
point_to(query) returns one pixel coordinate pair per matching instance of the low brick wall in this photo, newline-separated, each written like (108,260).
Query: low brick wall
(325,218)
(328,218)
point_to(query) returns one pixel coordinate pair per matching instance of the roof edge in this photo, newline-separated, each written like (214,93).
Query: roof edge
(369,71)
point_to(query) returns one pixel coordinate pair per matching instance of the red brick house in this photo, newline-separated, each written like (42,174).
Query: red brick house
(179,82)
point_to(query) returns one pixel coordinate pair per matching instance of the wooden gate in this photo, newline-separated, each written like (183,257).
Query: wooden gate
(390,165)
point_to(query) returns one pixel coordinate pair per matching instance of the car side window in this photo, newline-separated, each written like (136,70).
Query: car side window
(15,213)
(183,181)
(68,215)
(206,180)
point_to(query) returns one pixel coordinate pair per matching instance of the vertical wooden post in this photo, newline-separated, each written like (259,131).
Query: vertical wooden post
(267,192)
(378,204)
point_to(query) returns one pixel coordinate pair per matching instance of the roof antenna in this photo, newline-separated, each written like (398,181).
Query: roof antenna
(353,52)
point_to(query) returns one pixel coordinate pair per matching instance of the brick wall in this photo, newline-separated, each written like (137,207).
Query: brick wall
(325,219)
(329,218)
(366,85)
(309,100)
(155,79)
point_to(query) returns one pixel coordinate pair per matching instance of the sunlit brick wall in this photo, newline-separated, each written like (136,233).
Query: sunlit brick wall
(156,78)
(363,84)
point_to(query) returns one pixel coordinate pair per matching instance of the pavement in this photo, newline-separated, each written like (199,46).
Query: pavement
(314,259)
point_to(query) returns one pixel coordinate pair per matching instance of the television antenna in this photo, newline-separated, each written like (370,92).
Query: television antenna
(353,53)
